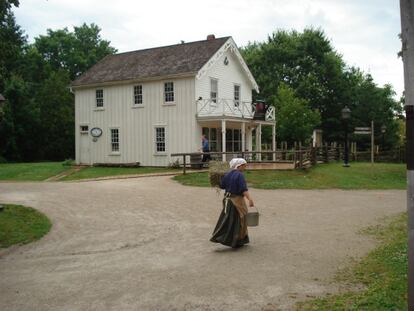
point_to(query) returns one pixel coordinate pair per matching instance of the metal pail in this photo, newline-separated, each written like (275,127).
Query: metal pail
(252,217)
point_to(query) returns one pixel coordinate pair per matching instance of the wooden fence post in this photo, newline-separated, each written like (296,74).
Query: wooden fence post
(313,156)
(184,164)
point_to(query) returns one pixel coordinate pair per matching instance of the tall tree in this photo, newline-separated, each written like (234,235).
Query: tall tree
(295,120)
(37,89)
(57,116)
(73,51)
(12,42)
(308,63)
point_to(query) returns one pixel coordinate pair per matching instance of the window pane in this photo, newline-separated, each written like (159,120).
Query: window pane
(229,146)
(160,139)
(237,146)
(137,94)
(236,95)
(99,98)
(169,92)
(229,134)
(205,131)
(213,90)
(213,134)
(115,140)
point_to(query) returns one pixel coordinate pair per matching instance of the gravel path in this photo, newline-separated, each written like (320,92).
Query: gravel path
(142,244)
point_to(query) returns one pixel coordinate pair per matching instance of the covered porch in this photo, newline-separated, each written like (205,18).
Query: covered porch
(237,137)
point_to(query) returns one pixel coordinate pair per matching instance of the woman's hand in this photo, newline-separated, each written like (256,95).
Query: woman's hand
(251,204)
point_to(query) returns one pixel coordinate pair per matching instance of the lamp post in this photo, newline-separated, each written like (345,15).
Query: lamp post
(383,130)
(346,115)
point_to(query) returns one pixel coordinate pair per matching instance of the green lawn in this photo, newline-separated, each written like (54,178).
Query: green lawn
(98,171)
(323,176)
(383,272)
(21,225)
(31,171)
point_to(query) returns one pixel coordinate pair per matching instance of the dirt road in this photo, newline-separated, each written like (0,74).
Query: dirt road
(143,244)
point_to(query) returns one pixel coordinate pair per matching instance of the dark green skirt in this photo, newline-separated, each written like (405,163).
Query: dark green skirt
(231,229)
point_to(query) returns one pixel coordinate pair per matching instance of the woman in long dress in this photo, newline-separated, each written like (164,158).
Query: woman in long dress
(231,228)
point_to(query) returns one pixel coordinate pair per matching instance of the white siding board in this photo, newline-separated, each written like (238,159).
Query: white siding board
(227,76)
(136,125)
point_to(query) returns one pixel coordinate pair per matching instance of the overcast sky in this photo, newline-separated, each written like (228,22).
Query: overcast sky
(365,32)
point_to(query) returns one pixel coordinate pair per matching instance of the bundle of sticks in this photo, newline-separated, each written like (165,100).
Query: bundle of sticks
(216,172)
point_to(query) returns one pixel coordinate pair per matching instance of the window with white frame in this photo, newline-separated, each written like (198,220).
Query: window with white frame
(233,140)
(213,90)
(211,134)
(99,98)
(236,95)
(138,95)
(169,92)
(84,129)
(160,139)
(115,140)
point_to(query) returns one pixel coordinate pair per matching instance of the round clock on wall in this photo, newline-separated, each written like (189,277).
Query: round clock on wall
(96,132)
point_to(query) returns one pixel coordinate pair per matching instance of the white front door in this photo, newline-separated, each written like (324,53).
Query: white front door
(84,148)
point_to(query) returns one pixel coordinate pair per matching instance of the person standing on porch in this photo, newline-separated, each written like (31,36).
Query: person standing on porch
(231,228)
(205,149)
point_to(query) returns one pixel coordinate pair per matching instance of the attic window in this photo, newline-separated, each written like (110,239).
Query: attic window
(226,61)
(213,90)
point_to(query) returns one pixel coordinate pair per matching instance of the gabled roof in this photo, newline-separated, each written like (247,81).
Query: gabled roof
(179,59)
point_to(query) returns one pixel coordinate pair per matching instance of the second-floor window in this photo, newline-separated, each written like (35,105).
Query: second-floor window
(236,95)
(169,92)
(138,95)
(213,90)
(99,98)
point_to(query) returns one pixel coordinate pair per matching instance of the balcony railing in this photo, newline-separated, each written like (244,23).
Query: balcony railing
(224,107)
(231,108)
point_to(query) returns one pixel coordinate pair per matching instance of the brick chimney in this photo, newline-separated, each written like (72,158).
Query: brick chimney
(211,37)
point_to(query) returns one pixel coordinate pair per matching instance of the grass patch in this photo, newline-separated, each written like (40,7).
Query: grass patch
(30,171)
(98,171)
(21,225)
(323,176)
(383,272)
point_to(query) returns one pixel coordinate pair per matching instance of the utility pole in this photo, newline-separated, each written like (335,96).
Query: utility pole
(407,35)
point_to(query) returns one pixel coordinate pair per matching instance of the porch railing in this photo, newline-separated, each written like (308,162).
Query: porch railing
(224,107)
(193,160)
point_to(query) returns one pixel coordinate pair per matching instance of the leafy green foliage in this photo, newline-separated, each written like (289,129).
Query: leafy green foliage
(21,225)
(12,41)
(295,120)
(35,81)
(74,51)
(307,63)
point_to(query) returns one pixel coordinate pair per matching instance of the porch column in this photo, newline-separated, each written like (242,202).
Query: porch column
(243,134)
(223,139)
(259,141)
(274,140)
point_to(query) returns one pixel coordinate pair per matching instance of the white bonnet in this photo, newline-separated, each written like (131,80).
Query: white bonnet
(236,162)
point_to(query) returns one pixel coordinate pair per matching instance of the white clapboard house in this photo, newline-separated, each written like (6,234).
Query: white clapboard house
(142,106)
